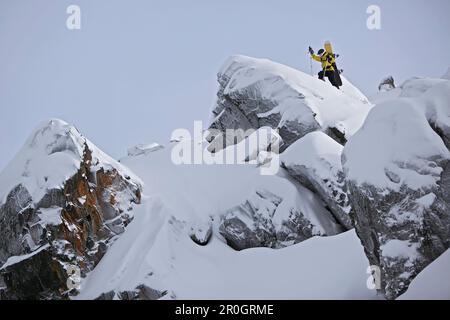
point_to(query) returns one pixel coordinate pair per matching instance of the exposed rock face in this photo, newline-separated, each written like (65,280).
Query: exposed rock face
(142,292)
(245,109)
(315,161)
(250,225)
(201,233)
(254,93)
(46,232)
(398,171)
(387,84)
(269,220)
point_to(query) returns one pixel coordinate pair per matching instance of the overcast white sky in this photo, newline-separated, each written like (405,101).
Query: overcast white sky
(139,69)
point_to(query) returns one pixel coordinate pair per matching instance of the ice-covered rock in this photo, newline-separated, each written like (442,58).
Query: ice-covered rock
(256,92)
(315,161)
(397,168)
(62,200)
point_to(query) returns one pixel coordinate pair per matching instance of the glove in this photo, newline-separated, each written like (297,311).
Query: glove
(311,51)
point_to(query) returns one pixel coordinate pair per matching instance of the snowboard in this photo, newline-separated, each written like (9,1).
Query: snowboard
(337,73)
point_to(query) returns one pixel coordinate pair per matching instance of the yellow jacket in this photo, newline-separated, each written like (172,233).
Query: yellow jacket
(326,59)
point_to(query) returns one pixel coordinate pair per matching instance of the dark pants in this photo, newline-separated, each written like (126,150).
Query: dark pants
(330,75)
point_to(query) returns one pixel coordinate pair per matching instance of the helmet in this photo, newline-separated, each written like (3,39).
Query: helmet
(320,51)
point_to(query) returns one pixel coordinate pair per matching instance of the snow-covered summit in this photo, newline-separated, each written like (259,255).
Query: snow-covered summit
(62,202)
(259,92)
(52,154)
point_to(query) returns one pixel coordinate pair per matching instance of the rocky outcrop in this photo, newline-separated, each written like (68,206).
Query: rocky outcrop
(49,233)
(272,220)
(398,175)
(250,225)
(142,292)
(201,233)
(254,93)
(387,84)
(315,162)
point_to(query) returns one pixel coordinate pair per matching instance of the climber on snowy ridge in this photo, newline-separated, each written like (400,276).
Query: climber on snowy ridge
(328,60)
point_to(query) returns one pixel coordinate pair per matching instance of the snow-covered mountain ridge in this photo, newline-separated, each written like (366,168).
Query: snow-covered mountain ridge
(146,228)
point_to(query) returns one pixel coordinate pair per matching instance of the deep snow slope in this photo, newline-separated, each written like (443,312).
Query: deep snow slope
(156,251)
(259,92)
